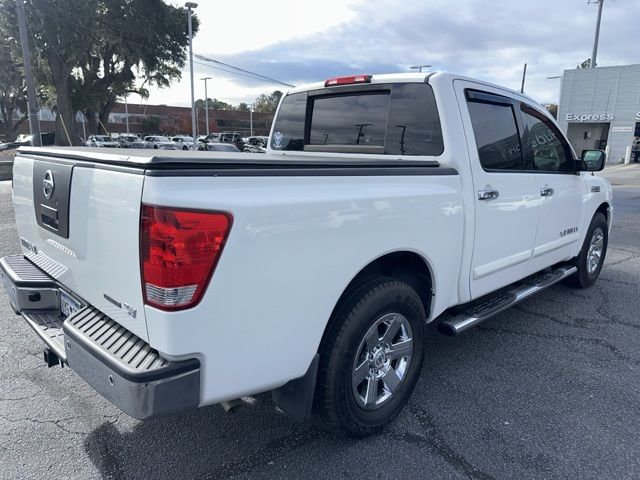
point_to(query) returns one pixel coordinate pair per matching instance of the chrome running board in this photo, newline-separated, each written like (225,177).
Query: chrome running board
(459,319)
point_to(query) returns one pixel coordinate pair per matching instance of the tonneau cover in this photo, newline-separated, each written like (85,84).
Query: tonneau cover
(170,159)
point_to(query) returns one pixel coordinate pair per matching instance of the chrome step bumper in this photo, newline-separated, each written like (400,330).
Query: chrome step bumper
(462,318)
(119,365)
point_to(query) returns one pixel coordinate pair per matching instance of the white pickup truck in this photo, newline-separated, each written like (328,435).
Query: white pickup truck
(174,280)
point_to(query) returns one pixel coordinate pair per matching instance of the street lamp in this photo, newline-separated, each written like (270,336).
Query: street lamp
(126,113)
(555,76)
(206,102)
(419,67)
(190,6)
(251,119)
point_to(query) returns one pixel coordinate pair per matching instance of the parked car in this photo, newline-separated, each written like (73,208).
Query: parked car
(23,139)
(102,141)
(20,140)
(221,147)
(184,142)
(212,137)
(204,140)
(130,141)
(383,203)
(160,142)
(256,144)
(232,137)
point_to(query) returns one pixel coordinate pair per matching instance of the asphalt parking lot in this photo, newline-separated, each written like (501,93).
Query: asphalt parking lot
(550,389)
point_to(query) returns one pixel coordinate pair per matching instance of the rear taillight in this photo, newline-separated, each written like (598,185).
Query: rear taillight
(179,250)
(332,82)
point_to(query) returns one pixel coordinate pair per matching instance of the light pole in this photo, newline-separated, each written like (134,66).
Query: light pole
(419,67)
(251,119)
(206,103)
(126,113)
(594,54)
(190,6)
(32,104)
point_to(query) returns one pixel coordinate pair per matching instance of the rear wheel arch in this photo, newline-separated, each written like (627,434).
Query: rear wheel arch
(296,397)
(406,266)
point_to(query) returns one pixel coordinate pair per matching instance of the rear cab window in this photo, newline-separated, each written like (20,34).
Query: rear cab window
(392,119)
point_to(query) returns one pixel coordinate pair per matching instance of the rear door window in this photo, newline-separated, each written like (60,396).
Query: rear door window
(495,130)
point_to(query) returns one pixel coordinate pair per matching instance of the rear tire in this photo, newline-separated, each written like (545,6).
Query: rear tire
(591,257)
(371,357)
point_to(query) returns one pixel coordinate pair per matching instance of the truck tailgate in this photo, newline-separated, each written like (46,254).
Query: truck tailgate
(80,225)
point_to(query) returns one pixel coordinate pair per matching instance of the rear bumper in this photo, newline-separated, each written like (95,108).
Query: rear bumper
(119,365)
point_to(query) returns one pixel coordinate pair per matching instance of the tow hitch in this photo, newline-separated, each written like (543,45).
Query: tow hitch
(51,359)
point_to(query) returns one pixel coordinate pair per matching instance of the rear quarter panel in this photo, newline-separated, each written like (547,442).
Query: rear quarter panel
(295,244)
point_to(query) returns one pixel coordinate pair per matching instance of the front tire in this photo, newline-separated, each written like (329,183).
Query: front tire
(591,257)
(371,357)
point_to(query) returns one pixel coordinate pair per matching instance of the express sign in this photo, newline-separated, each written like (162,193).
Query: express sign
(590,117)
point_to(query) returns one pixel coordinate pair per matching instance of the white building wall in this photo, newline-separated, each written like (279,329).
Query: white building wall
(612,92)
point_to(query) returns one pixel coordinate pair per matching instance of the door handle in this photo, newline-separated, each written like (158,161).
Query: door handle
(546,192)
(488,194)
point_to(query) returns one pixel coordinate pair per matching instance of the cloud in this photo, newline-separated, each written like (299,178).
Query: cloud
(489,39)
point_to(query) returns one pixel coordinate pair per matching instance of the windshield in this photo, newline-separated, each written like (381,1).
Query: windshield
(102,138)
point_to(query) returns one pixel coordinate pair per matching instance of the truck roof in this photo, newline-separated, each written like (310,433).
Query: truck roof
(413,77)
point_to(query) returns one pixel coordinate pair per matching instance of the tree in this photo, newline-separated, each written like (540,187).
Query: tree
(12,87)
(267,103)
(214,104)
(242,107)
(552,108)
(585,64)
(51,28)
(147,37)
(97,51)
(175,124)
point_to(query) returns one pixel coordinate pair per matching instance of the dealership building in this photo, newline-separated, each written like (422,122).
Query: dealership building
(600,108)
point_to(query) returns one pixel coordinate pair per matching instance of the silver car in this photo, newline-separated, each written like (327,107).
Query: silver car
(130,141)
(160,142)
(102,141)
(184,142)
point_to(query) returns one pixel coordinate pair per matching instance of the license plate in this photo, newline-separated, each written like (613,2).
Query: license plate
(68,306)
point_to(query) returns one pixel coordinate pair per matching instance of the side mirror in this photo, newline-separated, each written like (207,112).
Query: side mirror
(593,160)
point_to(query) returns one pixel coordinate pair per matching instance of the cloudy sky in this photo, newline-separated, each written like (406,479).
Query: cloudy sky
(300,41)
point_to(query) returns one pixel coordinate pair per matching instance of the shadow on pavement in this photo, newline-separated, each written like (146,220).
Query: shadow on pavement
(205,443)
